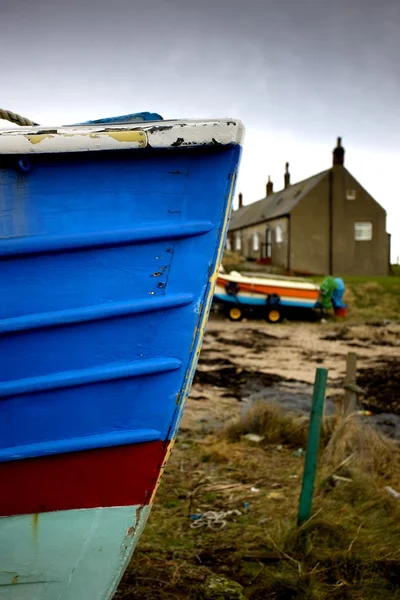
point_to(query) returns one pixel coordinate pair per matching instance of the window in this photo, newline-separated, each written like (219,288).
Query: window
(350,194)
(228,245)
(363,231)
(238,242)
(268,242)
(256,242)
(278,234)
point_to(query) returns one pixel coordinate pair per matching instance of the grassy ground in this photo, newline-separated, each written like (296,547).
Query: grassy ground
(373,298)
(350,549)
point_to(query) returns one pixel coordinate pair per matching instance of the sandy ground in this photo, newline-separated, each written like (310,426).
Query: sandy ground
(246,361)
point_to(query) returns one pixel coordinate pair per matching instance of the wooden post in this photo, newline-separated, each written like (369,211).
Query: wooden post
(350,395)
(314,432)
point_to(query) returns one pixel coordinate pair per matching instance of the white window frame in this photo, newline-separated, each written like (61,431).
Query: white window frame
(363,231)
(238,242)
(256,242)
(228,245)
(278,234)
(351,194)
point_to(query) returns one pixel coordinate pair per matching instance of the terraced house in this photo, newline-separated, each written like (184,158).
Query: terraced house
(326,224)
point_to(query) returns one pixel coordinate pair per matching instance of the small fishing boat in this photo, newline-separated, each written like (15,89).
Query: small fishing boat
(111,235)
(273,296)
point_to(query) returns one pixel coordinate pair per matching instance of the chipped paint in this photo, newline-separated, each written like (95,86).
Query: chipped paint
(82,138)
(129,136)
(37,138)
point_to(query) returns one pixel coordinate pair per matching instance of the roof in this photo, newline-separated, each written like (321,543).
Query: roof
(276,205)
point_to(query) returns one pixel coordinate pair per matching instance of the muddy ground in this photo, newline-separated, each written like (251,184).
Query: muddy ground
(354,549)
(244,362)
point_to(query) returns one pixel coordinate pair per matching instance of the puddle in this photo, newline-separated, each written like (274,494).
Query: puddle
(291,396)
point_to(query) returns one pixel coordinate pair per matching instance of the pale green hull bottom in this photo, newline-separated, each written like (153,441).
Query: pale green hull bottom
(68,555)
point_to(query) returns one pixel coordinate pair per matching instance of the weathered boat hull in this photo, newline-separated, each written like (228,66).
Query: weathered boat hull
(110,242)
(72,554)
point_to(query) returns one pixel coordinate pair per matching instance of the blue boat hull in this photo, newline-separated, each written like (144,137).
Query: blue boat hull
(108,262)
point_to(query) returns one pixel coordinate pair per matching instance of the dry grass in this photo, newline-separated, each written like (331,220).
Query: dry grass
(360,446)
(270,422)
(348,550)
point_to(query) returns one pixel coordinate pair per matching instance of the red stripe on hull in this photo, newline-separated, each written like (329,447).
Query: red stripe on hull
(118,476)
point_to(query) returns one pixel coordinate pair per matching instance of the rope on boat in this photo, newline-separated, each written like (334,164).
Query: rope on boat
(8,115)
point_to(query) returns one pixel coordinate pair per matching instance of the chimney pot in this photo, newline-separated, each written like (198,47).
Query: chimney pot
(287,175)
(270,186)
(338,153)
(240,201)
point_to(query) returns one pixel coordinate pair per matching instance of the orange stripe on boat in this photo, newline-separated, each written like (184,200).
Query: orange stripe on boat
(270,289)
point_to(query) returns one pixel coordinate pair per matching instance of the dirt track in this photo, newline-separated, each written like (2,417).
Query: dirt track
(246,361)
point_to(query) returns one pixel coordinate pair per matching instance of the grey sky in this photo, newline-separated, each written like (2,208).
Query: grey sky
(297,72)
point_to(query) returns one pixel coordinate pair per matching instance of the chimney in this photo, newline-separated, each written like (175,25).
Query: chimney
(338,153)
(270,186)
(287,175)
(240,201)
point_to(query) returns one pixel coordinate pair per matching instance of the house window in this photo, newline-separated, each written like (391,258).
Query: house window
(256,242)
(363,231)
(278,234)
(228,245)
(350,194)
(268,245)
(238,242)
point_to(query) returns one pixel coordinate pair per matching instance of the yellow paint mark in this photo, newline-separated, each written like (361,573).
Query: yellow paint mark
(15,579)
(128,136)
(121,136)
(36,138)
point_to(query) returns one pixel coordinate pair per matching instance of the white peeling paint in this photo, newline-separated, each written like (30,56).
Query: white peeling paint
(158,134)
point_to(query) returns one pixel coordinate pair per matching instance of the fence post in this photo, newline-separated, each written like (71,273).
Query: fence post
(350,395)
(314,433)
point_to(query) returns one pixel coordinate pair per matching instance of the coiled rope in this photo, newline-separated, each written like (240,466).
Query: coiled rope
(8,115)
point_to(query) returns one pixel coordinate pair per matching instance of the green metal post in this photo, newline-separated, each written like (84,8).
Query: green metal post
(314,433)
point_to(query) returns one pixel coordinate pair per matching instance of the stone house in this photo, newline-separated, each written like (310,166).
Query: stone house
(326,224)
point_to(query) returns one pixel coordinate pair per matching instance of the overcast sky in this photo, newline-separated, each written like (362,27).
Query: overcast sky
(298,73)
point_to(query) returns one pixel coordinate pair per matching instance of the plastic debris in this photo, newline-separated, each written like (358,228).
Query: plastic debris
(253,437)
(339,478)
(254,490)
(298,453)
(392,492)
(212,519)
